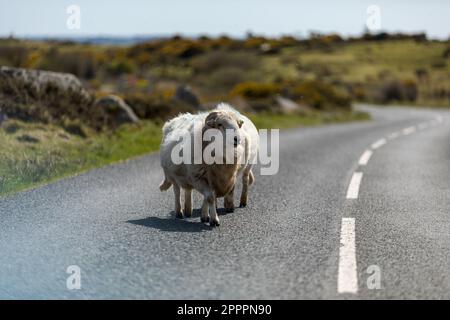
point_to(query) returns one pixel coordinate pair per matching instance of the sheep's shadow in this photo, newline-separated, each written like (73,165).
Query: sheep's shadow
(173,224)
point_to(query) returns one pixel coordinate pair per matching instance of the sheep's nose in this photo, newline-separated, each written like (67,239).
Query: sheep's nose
(235,141)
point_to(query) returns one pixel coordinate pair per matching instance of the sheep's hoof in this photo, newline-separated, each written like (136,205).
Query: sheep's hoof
(204,220)
(229,210)
(214,223)
(242,205)
(179,215)
(188,214)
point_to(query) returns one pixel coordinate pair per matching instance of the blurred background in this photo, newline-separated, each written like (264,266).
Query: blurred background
(110,73)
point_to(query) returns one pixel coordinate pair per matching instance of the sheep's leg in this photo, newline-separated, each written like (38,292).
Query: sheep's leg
(177,193)
(205,217)
(247,179)
(188,202)
(209,204)
(251,177)
(203,188)
(213,217)
(229,201)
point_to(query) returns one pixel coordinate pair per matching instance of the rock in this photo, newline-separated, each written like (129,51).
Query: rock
(185,94)
(39,80)
(43,96)
(117,110)
(287,105)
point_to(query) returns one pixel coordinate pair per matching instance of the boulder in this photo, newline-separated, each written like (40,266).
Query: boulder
(286,105)
(116,109)
(185,94)
(40,80)
(36,95)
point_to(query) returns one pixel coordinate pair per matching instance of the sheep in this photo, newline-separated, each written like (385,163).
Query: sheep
(211,180)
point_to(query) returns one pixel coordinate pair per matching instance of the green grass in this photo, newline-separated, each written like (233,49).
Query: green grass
(57,154)
(271,121)
(35,154)
(370,64)
(363,60)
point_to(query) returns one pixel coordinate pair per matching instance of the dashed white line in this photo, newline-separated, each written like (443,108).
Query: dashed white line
(353,188)
(347,271)
(378,143)
(409,130)
(365,157)
(393,135)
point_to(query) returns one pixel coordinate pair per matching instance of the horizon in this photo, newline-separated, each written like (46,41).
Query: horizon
(267,18)
(127,40)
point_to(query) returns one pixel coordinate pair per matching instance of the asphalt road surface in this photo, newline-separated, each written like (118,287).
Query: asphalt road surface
(357,211)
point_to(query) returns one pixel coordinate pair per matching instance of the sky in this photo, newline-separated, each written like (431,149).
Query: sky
(212,17)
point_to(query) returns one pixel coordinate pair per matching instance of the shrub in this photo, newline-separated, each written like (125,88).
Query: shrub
(14,56)
(395,90)
(156,106)
(224,78)
(358,92)
(446,53)
(256,90)
(265,105)
(81,63)
(438,64)
(421,73)
(320,95)
(409,90)
(389,91)
(253,42)
(119,67)
(214,60)
(181,48)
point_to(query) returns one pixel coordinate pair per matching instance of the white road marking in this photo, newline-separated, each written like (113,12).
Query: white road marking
(393,135)
(378,143)
(409,130)
(347,272)
(365,157)
(353,188)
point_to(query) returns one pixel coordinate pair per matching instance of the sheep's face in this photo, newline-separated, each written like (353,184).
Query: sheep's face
(226,123)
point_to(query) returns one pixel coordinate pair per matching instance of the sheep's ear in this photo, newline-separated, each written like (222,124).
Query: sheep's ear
(210,120)
(240,123)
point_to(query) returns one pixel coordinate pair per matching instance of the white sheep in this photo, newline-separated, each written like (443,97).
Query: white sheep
(211,180)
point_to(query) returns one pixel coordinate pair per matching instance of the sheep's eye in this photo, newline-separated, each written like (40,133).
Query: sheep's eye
(219,125)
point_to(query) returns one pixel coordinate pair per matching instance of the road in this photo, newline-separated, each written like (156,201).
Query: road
(314,230)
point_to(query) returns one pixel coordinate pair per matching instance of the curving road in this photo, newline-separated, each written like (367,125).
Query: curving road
(315,230)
